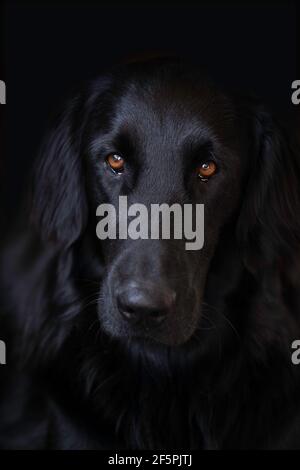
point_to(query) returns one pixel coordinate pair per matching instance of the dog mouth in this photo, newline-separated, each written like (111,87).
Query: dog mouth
(148,310)
(160,349)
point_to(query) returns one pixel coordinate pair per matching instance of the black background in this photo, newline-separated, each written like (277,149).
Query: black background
(48,48)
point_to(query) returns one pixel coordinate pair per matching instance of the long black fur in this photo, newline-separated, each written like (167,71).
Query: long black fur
(69,384)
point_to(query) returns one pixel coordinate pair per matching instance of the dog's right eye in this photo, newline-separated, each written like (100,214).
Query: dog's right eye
(116,163)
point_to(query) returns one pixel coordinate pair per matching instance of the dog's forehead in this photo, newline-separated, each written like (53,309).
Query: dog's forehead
(167,99)
(174,109)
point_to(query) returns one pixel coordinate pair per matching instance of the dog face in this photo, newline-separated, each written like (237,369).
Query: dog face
(163,131)
(157,133)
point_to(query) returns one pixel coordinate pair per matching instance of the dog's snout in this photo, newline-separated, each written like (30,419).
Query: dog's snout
(145,303)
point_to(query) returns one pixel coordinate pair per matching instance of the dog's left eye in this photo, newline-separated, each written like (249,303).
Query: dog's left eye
(115,162)
(206,170)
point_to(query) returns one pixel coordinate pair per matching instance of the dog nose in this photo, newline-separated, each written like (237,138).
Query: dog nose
(148,304)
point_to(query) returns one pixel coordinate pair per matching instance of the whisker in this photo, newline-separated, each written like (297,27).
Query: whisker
(212,307)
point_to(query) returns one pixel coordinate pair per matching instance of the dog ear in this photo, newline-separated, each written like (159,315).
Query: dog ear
(269,223)
(59,211)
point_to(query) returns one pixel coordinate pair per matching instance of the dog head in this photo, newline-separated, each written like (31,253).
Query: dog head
(160,133)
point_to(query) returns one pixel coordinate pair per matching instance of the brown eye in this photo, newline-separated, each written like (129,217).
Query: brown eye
(206,170)
(116,162)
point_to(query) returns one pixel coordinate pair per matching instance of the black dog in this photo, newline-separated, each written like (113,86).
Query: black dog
(142,343)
